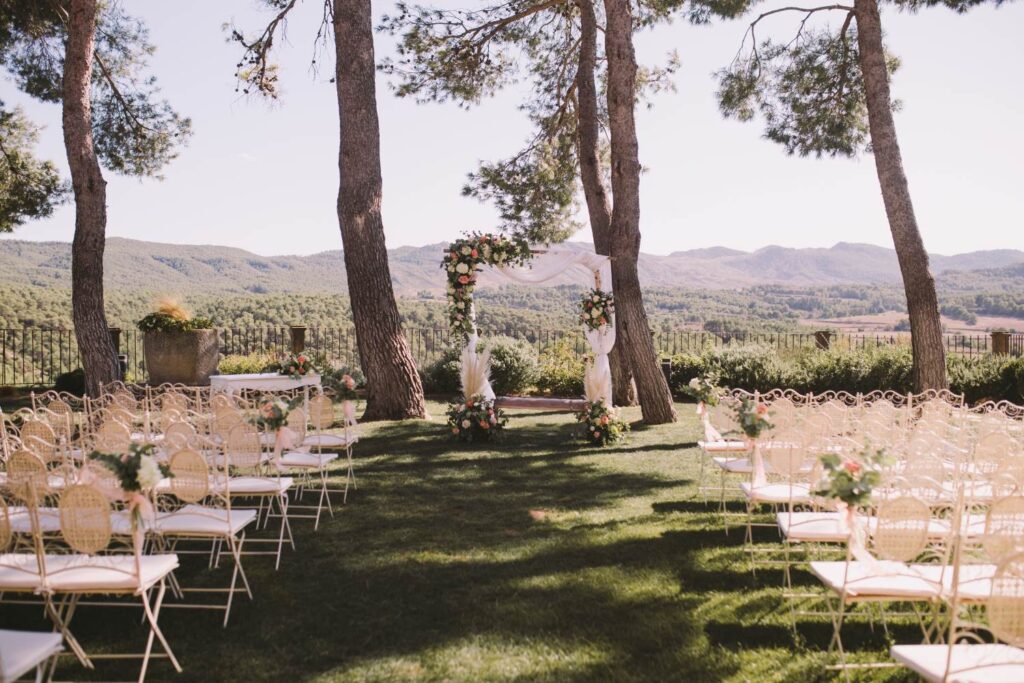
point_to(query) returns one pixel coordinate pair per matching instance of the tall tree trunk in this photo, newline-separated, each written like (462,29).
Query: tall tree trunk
(98,358)
(393,384)
(598,204)
(652,387)
(922,303)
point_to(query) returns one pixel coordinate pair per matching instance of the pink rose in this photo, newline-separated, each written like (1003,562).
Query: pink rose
(455,430)
(597,435)
(852,466)
(463,280)
(484,425)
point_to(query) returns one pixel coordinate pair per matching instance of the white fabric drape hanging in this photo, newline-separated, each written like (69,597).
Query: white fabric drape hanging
(598,379)
(552,263)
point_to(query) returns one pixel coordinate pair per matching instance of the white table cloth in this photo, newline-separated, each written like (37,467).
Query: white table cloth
(231,384)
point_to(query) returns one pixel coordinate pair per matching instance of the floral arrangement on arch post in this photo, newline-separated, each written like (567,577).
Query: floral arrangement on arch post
(461,263)
(596,309)
(138,473)
(475,419)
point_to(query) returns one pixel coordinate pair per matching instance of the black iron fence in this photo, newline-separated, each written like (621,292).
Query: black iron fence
(35,357)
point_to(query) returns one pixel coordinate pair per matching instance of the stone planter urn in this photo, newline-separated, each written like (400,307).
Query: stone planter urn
(182,357)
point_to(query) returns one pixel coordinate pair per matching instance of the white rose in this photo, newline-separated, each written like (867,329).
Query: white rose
(465,424)
(462,268)
(596,298)
(149,473)
(466,251)
(460,305)
(597,312)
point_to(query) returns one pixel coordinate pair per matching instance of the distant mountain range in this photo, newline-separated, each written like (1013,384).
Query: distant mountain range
(133,265)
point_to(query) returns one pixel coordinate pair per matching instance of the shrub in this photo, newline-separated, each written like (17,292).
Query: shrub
(753,367)
(72,382)
(513,367)
(683,368)
(853,370)
(979,379)
(561,370)
(238,364)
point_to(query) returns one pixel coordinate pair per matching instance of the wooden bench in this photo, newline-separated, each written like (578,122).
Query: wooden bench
(541,403)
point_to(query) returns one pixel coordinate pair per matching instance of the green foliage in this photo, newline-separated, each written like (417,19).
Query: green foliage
(752,366)
(513,365)
(982,379)
(237,364)
(561,370)
(164,322)
(884,367)
(683,368)
(809,91)
(134,131)
(461,263)
(29,188)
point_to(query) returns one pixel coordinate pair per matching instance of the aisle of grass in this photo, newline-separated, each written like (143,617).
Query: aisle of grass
(539,559)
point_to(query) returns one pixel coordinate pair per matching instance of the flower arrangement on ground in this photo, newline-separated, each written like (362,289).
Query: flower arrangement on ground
(704,390)
(475,419)
(851,480)
(596,309)
(461,264)
(752,417)
(601,423)
(297,366)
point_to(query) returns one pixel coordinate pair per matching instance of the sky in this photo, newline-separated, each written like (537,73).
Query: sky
(264,177)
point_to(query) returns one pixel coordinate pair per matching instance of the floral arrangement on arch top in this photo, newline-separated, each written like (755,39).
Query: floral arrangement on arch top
(461,263)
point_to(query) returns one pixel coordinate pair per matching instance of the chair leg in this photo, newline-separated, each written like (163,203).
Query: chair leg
(152,614)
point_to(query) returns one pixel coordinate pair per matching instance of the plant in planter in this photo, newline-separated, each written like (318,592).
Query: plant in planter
(179,348)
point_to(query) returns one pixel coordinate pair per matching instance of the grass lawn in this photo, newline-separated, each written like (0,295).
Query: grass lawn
(539,559)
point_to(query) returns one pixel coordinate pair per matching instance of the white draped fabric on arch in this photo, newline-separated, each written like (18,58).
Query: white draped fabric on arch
(547,264)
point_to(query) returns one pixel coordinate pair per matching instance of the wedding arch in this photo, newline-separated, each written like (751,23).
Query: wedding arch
(516,261)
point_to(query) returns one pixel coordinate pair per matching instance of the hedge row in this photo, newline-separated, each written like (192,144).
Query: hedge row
(759,368)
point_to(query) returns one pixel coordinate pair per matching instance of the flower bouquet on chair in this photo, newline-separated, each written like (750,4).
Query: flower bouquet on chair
(752,417)
(345,389)
(138,474)
(272,416)
(850,482)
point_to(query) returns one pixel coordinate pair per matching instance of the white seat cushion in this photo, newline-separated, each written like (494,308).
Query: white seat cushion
(975,579)
(812,527)
(78,573)
(330,440)
(82,573)
(21,522)
(874,580)
(970,663)
(301,459)
(22,651)
(777,493)
(723,446)
(197,520)
(251,486)
(734,465)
